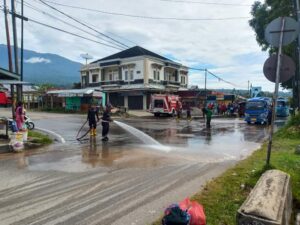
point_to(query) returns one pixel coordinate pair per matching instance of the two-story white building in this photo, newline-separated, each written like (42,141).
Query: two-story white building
(131,76)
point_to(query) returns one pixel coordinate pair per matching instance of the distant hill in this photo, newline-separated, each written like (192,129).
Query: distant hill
(45,68)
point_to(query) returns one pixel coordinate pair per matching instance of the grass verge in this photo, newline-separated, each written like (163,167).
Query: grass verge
(39,138)
(223,196)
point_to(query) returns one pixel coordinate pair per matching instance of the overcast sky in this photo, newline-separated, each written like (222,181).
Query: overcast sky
(226,47)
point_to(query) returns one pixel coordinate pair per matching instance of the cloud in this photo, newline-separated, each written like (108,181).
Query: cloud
(37,60)
(227,46)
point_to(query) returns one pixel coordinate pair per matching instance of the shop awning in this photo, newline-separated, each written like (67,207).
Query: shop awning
(76,93)
(7,75)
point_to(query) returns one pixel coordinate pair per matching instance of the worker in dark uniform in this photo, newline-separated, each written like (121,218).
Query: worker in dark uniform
(178,110)
(188,112)
(93,118)
(208,114)
(105,123)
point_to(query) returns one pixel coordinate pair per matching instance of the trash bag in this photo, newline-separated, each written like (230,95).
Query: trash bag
(175,216)
(195,210)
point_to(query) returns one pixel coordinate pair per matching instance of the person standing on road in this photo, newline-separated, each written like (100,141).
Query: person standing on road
(208,114)
(188,112)
(20,115)
(105,123)
(178,110)
(93,118)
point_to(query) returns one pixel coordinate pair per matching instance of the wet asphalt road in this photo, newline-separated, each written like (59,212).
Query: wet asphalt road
(122,181)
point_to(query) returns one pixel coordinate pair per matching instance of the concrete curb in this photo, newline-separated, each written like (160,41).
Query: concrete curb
(4,148)
(52,134)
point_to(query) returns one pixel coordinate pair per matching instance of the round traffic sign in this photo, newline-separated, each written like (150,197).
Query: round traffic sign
(287,70)
(273,30)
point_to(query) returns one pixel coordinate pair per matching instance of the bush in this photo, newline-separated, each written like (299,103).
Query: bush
(292,129)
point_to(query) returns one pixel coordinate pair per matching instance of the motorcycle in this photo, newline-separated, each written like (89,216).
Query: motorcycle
(28,122)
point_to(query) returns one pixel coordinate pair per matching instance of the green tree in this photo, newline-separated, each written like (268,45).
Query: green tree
(262,15)
(45,87)
(76,85)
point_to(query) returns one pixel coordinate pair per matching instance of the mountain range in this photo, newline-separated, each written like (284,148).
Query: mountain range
(45,67)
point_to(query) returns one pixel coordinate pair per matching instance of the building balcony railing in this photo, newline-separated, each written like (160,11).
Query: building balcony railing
(111,82)
(167,82)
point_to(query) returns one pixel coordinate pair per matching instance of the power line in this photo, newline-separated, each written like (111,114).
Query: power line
(64,31)
(205,3)
(143,17)
(83,24)
(214,75)
(69,24)
(77,35)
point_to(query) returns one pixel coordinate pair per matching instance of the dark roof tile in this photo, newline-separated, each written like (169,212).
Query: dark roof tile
(132,52)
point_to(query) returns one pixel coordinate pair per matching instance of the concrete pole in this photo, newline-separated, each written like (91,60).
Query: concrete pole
(16,55)
(12,101)
(248,88)
(15,36)
(275,96)
(22,46)
(8,39)
(205,81)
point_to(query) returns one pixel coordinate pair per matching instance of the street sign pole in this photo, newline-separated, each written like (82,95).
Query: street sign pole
(275,96)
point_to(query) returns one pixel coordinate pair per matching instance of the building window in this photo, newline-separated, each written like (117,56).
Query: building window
(126,75)
(95,78)
(83,80)
(131,74)
(156,75)
(138,72)
(116,75)
(110,76)
(183,80)
(168,76)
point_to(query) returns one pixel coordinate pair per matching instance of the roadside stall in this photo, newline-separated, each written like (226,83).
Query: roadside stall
(76,100)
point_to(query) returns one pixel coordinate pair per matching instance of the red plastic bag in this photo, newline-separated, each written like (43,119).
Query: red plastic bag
(195,210)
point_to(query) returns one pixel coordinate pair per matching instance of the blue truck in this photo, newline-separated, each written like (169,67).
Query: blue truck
(282,109)
(258,110)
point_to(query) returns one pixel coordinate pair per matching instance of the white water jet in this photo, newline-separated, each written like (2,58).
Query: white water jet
(145,138)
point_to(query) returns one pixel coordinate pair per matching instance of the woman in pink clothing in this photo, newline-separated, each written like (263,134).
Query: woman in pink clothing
(20,115)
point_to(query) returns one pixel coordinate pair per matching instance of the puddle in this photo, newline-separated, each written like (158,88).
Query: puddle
(178,143)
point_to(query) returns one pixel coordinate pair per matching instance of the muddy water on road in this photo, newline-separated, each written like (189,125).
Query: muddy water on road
(121,181)
(188,141)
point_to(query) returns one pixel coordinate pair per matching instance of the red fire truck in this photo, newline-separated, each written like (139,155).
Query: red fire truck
(165,104)
(5,99)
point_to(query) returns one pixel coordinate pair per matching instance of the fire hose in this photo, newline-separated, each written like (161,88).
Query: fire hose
(86,133)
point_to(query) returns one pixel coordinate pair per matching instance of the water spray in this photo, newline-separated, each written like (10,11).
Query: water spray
(145,138)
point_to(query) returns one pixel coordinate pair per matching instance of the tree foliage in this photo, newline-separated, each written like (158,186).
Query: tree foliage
(262,15)
(76,85)
(45,87)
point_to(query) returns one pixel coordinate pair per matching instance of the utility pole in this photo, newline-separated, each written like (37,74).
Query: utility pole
(10,67)
(22,38)
(15,38)
(249,88)
(205,81)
